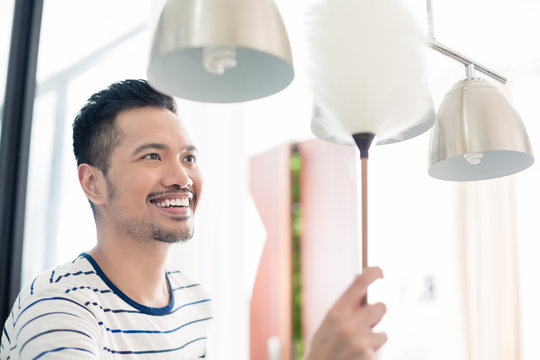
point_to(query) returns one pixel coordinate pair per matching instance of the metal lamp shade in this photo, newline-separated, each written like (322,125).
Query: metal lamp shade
(252,30)
(478,135)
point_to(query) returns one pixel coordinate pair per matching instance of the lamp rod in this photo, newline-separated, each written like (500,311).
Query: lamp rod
(470,70)
(431,26)
(445,50)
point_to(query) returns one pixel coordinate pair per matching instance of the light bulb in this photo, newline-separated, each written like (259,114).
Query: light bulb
(473,158)
(217,59)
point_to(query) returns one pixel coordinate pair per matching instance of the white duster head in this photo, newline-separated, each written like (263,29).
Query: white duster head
(332,131)
(365,67)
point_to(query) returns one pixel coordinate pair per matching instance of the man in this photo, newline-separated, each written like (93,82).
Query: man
(138,168)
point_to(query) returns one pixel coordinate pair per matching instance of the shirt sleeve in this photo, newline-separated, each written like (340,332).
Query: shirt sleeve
(51,327)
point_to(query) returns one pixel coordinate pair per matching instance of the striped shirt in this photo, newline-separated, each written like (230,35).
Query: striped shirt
(75,312)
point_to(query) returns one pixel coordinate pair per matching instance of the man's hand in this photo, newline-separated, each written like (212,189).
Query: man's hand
(347,330)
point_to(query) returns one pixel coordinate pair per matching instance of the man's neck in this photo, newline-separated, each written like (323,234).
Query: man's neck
(137,269)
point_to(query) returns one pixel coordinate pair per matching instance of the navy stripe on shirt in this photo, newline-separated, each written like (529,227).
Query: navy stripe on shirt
(51,299)
(74,274)
(128,352)
(7,336)
(32,286)
(191,303)
(61,349)
(186,287)
(89,288)
(42,315)
(155,331)
(116,311)
(52,331)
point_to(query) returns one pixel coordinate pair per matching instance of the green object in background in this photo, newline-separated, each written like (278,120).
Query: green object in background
(296,231)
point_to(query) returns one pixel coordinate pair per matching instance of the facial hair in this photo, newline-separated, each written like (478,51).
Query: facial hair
(145,230)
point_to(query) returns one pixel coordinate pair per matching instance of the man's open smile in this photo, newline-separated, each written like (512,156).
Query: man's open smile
(172,203)
(177,203)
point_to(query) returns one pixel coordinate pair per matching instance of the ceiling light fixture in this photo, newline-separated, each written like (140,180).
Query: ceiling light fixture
(220,51)
(478,134)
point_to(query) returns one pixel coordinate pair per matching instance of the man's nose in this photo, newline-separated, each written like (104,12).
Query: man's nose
(179,176)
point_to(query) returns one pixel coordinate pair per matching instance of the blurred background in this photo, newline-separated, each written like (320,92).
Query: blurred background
(460,259)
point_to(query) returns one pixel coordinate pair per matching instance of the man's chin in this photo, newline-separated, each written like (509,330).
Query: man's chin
(172,236)
(182,218)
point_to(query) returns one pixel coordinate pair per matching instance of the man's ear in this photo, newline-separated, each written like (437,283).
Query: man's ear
(93,184)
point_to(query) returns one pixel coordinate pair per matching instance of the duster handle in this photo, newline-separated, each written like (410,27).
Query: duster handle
(363,141)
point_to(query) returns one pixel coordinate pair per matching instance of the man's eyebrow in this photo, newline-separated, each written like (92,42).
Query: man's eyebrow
(158,146)
(190,148)
(143,147)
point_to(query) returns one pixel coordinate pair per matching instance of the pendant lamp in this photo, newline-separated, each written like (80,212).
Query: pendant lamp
(220,51)
(478,135)
(366,78)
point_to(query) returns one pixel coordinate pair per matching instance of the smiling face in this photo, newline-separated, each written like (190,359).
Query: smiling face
(153,182)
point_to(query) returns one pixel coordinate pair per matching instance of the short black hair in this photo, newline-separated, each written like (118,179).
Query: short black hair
(95,133)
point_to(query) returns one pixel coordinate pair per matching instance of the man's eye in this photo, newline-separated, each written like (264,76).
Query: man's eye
(152,156)
(190,158)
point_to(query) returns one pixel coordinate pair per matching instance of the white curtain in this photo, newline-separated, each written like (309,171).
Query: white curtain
(489,272)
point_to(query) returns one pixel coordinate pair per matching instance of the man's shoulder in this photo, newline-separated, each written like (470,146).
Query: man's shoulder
(61,280)
(178,277)
(181,283)
(52,309)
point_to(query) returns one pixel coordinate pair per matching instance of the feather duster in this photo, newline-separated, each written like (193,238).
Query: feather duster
(365,70)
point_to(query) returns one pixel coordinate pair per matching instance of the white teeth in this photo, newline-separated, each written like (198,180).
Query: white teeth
(173,202)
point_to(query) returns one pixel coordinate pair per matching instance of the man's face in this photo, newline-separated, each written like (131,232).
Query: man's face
(153,181)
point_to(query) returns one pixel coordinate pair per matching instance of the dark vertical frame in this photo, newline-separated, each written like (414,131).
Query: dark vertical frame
(15,145)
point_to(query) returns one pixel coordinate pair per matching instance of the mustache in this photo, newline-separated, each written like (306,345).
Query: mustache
(168,192)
